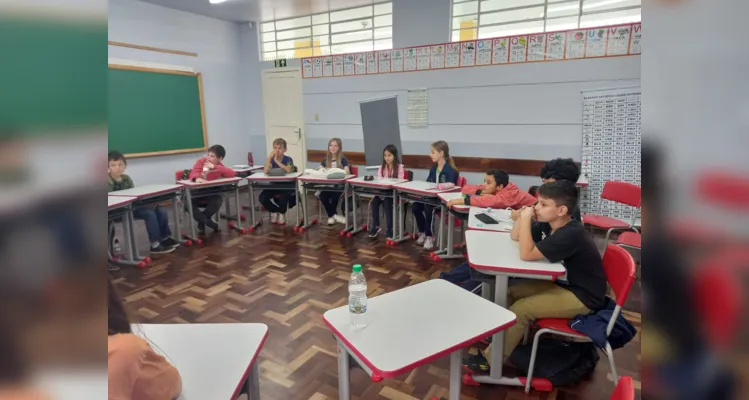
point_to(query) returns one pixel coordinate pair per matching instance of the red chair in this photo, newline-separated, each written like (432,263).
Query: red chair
(630,239)
(619,192)
(620,273)
(625,390)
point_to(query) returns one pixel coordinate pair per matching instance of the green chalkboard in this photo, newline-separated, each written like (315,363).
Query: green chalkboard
(155,112)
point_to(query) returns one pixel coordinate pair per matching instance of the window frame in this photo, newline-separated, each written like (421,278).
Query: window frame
(323,49)
(542,3)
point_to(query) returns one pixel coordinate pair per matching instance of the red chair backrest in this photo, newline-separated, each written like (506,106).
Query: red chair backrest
(354,170)
(619,268)
(622,192)
(178,174)
(724,189)
(462,181)
(408,174)
(625,390)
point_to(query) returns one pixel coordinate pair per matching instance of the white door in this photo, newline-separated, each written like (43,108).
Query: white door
(284,112)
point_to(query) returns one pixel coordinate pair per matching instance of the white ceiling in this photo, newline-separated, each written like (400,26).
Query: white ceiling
(259,10)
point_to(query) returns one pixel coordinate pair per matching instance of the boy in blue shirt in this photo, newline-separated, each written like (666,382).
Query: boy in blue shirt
(277,201)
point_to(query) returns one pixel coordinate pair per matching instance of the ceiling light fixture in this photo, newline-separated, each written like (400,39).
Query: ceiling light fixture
(217,1)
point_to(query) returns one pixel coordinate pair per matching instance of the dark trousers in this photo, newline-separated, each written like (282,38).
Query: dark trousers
(375,204)
(157,222)
(329,202)
(275,201)
(423,214)
(210,206)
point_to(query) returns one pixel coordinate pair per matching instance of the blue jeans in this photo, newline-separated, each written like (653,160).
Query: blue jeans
(423,214)
(329,202)
(157,222)
(375,204)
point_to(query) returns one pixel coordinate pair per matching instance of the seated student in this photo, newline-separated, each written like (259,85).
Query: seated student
(390,168)
(210,204)
(329,200)
(442,172)
(558,169)
(496,192)
(156,218)
(547,230)
(135,370)
(277,201)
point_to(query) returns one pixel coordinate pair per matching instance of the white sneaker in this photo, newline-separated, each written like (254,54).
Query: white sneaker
(281,219)
(421,239)
(429,243)
(331,221)
(273,218)
(340,219)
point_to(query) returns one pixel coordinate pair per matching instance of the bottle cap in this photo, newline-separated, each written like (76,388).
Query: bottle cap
(357,268)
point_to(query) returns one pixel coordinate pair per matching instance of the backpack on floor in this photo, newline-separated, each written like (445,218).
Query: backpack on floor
(562,363)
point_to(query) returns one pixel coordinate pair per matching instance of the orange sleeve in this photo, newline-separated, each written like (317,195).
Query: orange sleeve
(137,372)
(197,169)
(470,189)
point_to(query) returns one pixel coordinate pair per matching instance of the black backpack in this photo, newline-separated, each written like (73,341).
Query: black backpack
(562,363)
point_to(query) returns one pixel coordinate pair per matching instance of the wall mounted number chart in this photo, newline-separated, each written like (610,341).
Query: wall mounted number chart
(611,147)
(574,44)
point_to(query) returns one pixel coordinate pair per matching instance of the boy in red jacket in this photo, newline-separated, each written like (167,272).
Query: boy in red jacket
(496,192)
(210,204)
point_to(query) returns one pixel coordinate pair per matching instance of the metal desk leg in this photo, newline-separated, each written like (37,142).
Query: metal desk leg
(456,375)
(449,252)
(253,382)
(401,220)
(255,222)
(345,210)
(188,199)
(305,204)
(354,227)
(344,385)
(176,235)
(136,253)
(238,225)
(128,239)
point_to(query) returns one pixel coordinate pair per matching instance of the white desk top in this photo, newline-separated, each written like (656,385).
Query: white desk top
(582,181)
(428,189)
(446,197)
(119,201)
(319,179)
(497,252)
(214,182)
(503,216)
(245,168)
(213,359)
(417,324)
(383,183)
(148,190)
(262,176)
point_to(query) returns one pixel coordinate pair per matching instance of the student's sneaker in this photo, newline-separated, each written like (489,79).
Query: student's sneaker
(273,218)
(477,363)
(213,225)
(201,228)
(160,249)
(281,219)
(421,239)
(331,221)
(340,219)
(374,231)
(169,242)
(429,243)
(390,234)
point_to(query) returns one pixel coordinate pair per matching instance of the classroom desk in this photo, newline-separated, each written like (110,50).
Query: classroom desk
(208,188)
(411,327)
(310,182)
(121,207)
(495,253)
(382,187)
(214,360)
(149,195)
(503,216)
(262,181)
(244,171)
(421,192)
(460,209)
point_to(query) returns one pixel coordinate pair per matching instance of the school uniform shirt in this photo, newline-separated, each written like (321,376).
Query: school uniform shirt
(510,196)
(136,371)
(385,173)
(125,183)
(342,163)
(448,174)
(197,169)
(574,247)
(286,160)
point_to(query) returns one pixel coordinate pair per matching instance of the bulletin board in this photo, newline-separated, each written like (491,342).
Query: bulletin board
(574,44)
(612,139)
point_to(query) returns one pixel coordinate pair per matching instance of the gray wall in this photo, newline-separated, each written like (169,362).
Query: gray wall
(528,111)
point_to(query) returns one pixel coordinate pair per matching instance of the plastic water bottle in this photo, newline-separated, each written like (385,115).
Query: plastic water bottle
(357,298)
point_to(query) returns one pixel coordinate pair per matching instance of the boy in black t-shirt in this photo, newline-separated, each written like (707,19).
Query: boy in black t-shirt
(547,230)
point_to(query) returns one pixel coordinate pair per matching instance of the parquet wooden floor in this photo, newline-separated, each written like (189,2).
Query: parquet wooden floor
(287,280)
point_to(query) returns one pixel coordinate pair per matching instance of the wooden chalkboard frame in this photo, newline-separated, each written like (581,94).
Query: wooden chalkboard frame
(202,109)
